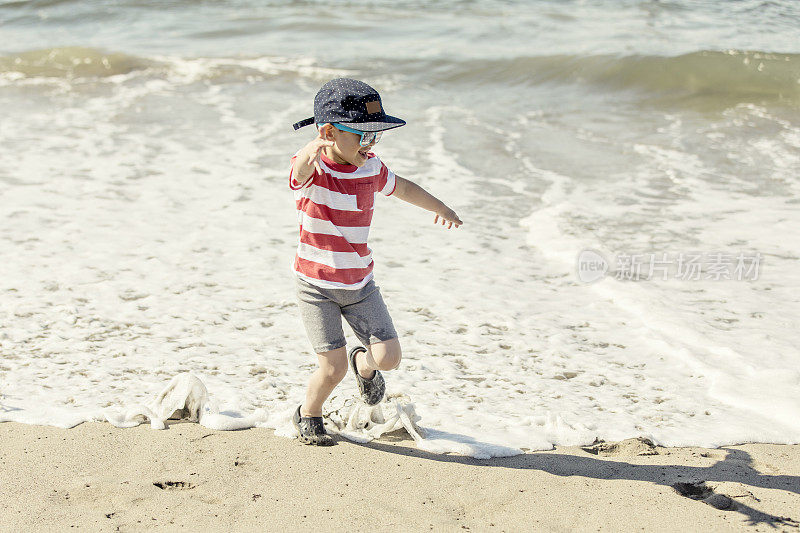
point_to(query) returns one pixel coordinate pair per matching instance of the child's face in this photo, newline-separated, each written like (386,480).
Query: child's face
(346,149)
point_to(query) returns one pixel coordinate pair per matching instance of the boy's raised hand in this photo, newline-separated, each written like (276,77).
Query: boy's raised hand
(447,215)
(310,154)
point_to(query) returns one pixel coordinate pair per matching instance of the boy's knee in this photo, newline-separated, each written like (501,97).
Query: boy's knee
(387,354)
(333,364)
(335,372)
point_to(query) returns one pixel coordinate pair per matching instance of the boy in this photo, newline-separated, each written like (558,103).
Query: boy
(335,178)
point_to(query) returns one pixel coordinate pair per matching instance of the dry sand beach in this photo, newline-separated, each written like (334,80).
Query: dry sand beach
(100,478)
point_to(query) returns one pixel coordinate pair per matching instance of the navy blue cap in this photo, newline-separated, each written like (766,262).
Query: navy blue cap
(350,102)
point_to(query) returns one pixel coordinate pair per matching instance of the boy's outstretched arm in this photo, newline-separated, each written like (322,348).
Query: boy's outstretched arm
(414,194)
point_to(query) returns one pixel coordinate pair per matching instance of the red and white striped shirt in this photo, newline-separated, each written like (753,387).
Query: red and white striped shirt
(334,210)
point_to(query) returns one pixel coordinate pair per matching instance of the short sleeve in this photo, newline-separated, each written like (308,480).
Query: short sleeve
(293,183)
(388,180)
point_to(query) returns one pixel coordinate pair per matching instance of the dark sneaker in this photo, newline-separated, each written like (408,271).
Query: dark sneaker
(372,390)
(312,430)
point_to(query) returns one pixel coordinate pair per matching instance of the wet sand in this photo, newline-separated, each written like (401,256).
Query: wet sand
(100,478)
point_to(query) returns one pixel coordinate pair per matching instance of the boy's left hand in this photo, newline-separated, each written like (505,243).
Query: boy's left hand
(447,215)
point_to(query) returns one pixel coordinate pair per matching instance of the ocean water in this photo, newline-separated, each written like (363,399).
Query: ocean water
(148,229)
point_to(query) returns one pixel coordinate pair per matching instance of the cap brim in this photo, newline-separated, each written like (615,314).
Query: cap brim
(387,123)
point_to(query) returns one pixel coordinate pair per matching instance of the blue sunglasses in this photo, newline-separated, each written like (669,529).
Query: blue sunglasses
(367,137)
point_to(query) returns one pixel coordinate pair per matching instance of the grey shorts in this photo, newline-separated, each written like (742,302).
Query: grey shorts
(322,311)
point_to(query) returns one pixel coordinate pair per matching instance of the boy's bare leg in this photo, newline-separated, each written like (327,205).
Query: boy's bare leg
(383,355)
(332,369)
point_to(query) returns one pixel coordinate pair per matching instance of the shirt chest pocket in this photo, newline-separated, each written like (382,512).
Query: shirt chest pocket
(365,195)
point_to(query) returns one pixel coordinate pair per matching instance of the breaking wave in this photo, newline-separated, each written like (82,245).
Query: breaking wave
(732,73)
(71,62)
(82,63)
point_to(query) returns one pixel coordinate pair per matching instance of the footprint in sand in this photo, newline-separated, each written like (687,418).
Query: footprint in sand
(702,492)
(174,485)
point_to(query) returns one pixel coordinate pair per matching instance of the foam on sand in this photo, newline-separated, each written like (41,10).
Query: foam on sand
(186,397)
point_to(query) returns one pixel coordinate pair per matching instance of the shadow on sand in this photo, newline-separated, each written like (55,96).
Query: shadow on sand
(689,481)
